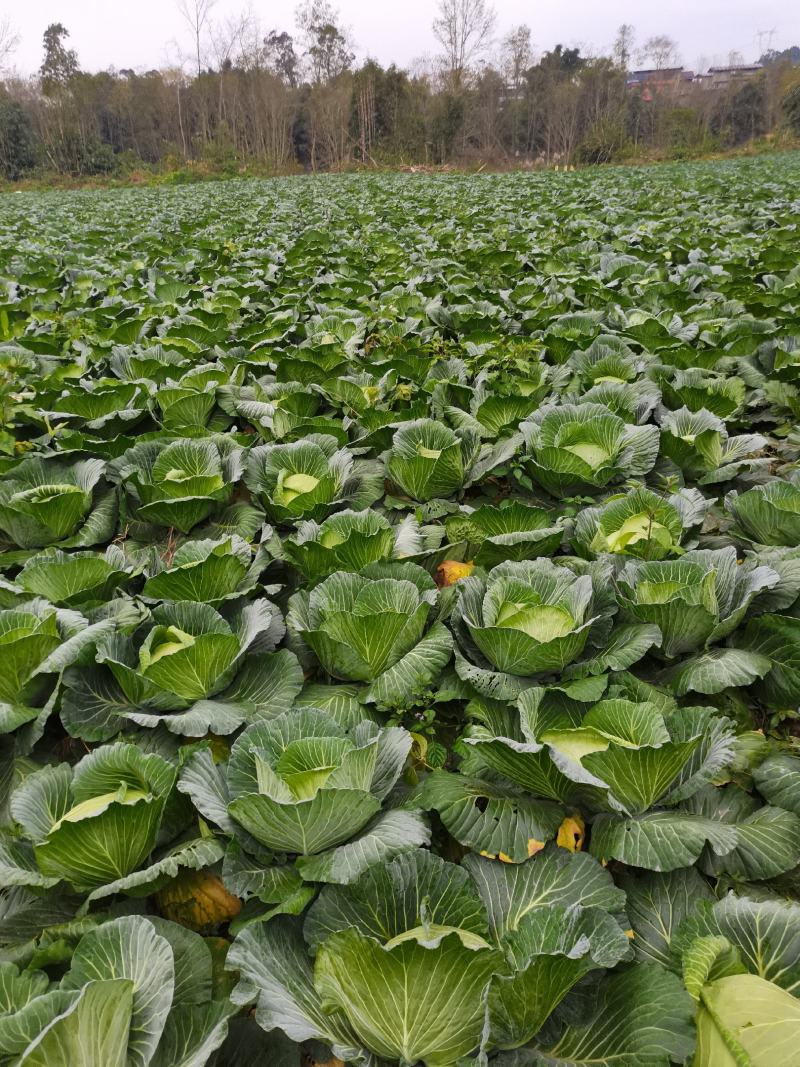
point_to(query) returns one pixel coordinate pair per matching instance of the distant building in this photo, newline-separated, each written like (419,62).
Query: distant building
(723,77)
(676,81)
(667,80)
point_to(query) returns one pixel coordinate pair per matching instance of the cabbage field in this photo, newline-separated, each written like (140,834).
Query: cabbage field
(400,621)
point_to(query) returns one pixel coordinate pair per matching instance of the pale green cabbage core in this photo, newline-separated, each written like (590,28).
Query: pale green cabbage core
(657,592)
(294,485)
(331,539)
(177,641)
(88,809)
(637,528)
(542,622)
(428,453)
(594,455)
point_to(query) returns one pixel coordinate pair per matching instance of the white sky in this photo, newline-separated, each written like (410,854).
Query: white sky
(141,33)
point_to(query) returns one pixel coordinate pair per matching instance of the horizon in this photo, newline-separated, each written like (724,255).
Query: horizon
(402,35)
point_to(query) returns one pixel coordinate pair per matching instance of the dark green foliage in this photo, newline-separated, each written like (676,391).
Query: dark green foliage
(400,589)
(17,139)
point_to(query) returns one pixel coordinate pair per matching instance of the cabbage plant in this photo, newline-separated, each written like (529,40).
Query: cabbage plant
(76,579)
(640,523)
(528,618)
(640,770)
(97,822)
(207,571)
(311,478)
(351,540)
(633,402)
(45,501)
(696,601)
(616,754)
(493,406)
(422,961)
(607,360)
(738,956)
(767,514)
(378,627)
(189,666)
(428,459)
(37,642)
(346,541)
(103,407)
(137,991)
(187,402)
(509,531)
(276,410)
(178,483)
(696,389)
(698,444)
(584,447)
(535,618)
(154,363)
(303,784)
(775,641)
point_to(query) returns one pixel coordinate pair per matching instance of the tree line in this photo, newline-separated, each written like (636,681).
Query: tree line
(249,97)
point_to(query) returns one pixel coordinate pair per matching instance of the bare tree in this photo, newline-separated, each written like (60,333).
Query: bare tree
(196,14)
(516,55)
(464,29)
(9,39)
(228,38)
(660,50)
(516,60)
(250,52)
(624,44)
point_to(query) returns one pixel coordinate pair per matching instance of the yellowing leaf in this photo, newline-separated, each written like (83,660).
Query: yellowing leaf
(571,833)
(197,900)
(451,571)
(534,846)
(419,748)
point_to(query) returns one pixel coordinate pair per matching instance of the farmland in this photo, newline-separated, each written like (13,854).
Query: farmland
(400,621)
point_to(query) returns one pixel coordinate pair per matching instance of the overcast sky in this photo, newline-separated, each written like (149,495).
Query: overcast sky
(141,33)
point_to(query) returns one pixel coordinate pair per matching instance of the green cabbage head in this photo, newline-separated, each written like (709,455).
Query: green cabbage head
(421,961)
(428,459)
(138,990)
(37,641)
(697,442)
(302,784)
(99,821)
(311,478)
(768,514)
(178,483)
(375,627)
(187,665)
(46,501)
(639,523)
(578,448)
(696,601)
(526,618)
